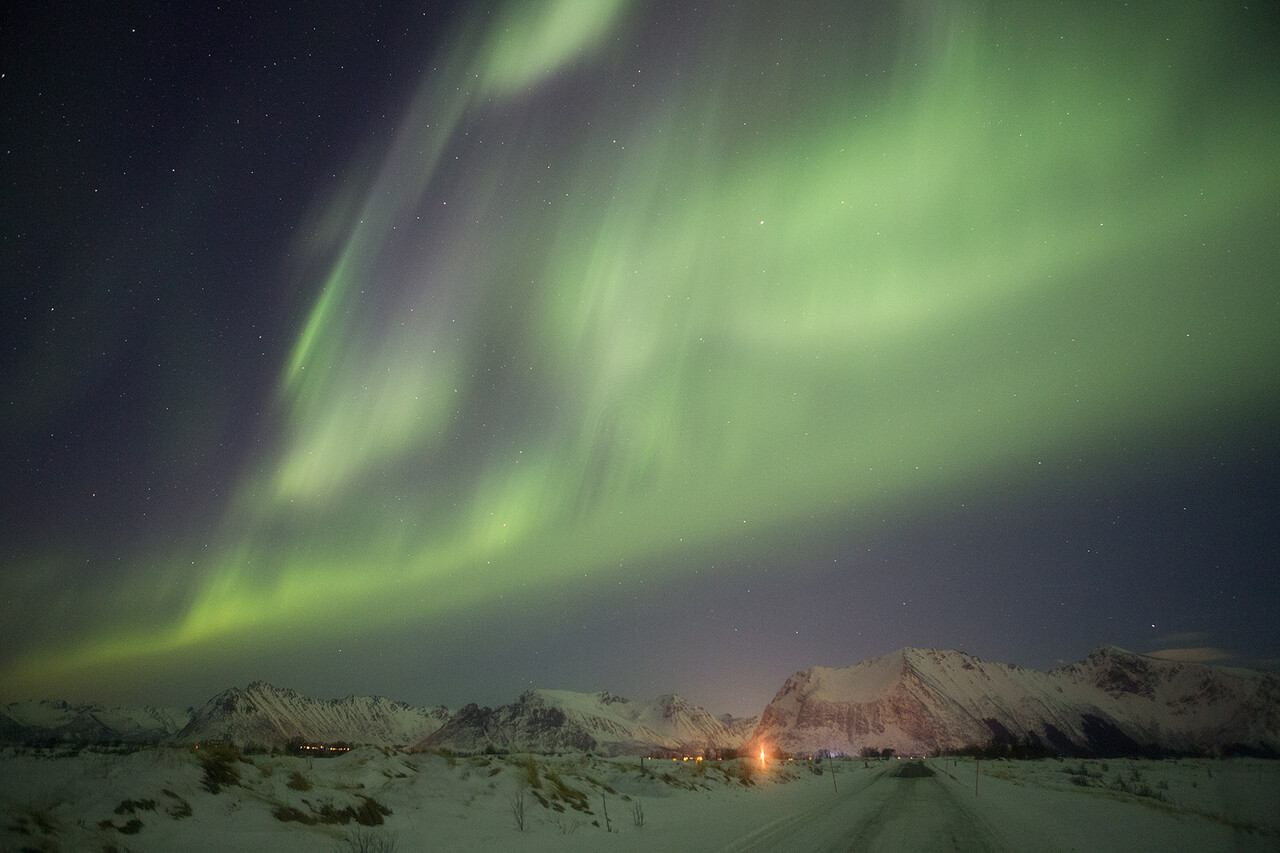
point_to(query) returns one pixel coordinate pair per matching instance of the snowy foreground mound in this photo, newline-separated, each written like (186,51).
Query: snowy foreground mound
(216,800)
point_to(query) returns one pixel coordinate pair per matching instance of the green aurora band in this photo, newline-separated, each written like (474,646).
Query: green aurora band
(600,306)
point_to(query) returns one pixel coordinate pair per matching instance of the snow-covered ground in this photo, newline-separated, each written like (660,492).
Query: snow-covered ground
(160,799)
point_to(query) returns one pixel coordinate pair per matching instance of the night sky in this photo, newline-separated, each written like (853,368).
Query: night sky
(440,351)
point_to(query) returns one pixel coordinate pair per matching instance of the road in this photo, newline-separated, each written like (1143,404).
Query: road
(903,807)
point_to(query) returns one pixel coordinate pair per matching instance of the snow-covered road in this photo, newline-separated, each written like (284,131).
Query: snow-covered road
(905,806)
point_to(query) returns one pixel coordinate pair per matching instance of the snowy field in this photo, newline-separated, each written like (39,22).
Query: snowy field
(369,799)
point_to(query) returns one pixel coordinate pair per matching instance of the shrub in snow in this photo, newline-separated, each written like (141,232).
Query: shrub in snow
(518,803)
(367,841)
(219,764)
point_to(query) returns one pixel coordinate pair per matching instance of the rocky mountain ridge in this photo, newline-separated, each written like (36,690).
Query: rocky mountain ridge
(264,717)
(549,721)
(51,722)
(1114,702)
(267,717)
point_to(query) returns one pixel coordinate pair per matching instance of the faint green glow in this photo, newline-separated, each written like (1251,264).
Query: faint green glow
(532,41)
(759,297)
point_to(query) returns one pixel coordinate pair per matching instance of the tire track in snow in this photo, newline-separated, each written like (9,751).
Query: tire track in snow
(889,812)
(804,827)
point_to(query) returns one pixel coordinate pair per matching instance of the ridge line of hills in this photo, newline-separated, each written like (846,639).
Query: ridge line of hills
(912,701)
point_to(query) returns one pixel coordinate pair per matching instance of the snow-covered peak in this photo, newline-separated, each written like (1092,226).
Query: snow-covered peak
(602,703)
(269,717)
(59,721)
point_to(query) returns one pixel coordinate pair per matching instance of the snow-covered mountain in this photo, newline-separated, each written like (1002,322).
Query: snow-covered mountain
(740,728)
(548,721)
(49,722)
(269,717)
(1113,702)
(1185,706)
(911,700)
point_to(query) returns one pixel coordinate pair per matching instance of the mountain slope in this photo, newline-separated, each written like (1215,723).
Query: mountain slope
(269,717)
(546,721)
(50,721)
(1185,706)
(926,701)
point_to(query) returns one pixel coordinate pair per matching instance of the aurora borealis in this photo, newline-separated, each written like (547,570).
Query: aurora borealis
(636,346)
